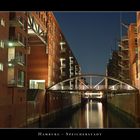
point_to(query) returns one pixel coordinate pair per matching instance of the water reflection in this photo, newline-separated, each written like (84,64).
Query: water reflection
(94,114)
(91,115)
(88,116)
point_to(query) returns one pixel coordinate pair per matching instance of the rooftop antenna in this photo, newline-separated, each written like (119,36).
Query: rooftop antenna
(120,25)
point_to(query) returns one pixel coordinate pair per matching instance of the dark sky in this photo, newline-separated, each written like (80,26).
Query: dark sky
(91,35)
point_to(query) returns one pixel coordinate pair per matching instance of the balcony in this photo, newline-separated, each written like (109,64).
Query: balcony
(63,74)
(125,38)
(120,53)
(123,46)
(125,58)
(14,42)
(71,67)
(15,61)
(71,62)
(125,68)
(120,64)
(76,73)
(71,74)
(20,60)
(63,50)
(16,83)
(12,82)
(63,65)
(62,43)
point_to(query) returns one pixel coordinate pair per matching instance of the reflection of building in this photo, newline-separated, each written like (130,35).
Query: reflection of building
(138,40)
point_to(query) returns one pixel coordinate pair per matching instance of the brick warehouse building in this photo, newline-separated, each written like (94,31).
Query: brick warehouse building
(138,41)
(126,64)
(28,37)
(57,63)
(13,44)
(5,97)
(133,53)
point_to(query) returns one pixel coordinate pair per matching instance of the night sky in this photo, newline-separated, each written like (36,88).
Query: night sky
(92,35)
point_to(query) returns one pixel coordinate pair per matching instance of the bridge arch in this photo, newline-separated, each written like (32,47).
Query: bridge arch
(91,75)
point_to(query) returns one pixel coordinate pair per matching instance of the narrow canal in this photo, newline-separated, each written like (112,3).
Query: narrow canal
(92,115)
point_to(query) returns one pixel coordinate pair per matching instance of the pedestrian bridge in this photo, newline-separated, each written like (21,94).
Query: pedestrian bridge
(92,83)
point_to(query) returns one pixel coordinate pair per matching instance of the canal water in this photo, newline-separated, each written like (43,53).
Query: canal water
(92,114)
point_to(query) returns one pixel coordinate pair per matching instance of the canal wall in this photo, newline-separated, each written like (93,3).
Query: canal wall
(12,115)
(45,107)
(13,108)
(49,107)
(127,104)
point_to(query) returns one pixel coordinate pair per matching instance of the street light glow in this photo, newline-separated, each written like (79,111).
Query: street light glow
(10,44)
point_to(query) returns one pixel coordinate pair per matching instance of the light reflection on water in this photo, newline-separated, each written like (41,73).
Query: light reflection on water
(94,115)
(91,115)
(88,116)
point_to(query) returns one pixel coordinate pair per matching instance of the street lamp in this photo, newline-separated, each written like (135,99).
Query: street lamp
(10,44)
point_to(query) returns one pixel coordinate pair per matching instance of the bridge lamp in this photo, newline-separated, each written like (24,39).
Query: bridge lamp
(113,88)
(62,86)
(101,94)
(129,87)
(55,87)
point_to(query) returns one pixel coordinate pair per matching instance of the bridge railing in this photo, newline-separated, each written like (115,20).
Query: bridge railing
(99,87)
(86,82)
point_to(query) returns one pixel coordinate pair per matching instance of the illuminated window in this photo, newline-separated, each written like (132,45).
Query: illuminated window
(11,54)
(1,44)
(1,67)
(20,58)
(20,80)
(37,84)
(2,22)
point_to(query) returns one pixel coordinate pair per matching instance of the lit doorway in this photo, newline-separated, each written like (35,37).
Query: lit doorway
(37,84)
